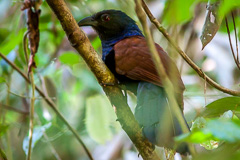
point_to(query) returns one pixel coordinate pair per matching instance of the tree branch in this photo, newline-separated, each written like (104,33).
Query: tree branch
(185,56)
(82,44)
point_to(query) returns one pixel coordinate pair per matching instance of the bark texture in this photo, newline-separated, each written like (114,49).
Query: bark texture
(83,46)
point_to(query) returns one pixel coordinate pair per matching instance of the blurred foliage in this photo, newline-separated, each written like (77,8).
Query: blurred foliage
(64,76)
(220,106)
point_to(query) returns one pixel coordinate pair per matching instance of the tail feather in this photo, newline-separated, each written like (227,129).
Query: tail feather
(154,114)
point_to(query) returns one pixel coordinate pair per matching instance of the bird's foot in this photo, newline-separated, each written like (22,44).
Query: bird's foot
(107,84)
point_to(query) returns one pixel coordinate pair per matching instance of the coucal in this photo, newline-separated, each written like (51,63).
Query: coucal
(126,54)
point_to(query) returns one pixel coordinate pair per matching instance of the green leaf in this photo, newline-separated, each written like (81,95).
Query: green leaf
(217,129)
(69,58)
(199,123)
(2,80)
(3,129)
(220,106)
(227,6)
(179,11)
(196,135)
(37,135)
(96,43)
(98,118)
(11,41)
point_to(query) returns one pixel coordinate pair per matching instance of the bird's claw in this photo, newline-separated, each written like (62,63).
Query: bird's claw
(107,84)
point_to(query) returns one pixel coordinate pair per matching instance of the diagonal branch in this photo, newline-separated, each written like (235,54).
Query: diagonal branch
(185,56)
(83,46)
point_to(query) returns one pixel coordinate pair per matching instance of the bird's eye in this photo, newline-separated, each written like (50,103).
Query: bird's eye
(105,17)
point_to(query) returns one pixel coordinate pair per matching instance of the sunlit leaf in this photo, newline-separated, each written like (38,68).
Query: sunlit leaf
(2,80)
(98,118)
(179,11)
(220,106)
(11,41)
(69,58)
(96,43)
(37,135)
(228,5)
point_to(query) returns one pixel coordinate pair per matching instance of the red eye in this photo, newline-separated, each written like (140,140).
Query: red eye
(105,17)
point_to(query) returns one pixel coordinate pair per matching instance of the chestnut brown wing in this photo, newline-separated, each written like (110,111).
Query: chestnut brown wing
(133,60)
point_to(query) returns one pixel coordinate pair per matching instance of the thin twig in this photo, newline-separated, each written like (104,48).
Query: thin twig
(51,104)
(26,97)
(167,84)
(231,46)
(236,39)
(185,56)
(31,117)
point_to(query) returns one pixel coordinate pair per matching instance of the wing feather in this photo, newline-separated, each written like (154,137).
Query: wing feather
(133,59)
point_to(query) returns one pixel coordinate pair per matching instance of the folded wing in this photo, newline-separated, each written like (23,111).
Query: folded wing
(133,59)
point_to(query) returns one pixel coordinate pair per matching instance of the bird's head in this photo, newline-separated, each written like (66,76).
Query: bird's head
(110,24)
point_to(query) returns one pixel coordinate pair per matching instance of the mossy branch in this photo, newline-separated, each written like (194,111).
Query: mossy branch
(83,46)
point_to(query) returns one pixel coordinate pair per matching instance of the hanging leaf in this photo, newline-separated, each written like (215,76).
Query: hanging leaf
(98,118)
(212,23)
(220,106)
(37,135)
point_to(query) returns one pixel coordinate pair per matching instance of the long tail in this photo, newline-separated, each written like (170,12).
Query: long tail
(154,114)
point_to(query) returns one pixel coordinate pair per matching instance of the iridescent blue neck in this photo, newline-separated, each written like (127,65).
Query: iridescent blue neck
(107,45)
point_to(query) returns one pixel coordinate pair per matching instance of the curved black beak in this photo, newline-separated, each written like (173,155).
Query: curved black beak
(88,21)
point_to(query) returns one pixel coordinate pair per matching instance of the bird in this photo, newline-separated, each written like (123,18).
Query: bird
(125,52)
